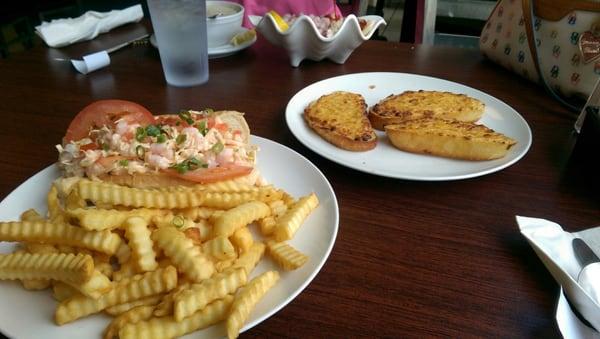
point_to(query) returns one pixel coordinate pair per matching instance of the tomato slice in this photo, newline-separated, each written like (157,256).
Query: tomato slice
(105,112)
(208,175)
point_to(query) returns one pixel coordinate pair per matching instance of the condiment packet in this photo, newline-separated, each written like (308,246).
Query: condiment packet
(554,247)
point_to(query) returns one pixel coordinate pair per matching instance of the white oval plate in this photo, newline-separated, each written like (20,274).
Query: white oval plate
(387,161)
(26,314)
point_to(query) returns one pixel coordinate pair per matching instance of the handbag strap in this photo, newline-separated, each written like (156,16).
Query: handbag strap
(528,15)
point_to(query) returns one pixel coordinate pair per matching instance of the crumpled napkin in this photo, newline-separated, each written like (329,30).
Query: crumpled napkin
(63,32)
(554,247)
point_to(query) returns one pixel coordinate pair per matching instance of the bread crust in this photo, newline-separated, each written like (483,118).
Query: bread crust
(341,119)
(423,104)
(449,138)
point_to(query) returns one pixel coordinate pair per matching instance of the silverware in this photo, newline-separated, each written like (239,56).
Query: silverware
(584,254)
(127,43)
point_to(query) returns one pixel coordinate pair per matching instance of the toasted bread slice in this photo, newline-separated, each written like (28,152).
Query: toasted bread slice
(449,138)
(420,104)
(341,119)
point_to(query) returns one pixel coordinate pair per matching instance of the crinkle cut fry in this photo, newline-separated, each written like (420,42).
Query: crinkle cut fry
(59,234)
(182,252)
(134,288)
(189,301)
(242,239)
(246,300)
(290,222)
(97,219)
(95,286)
(168,327)
(286,256)
(138,236)
(196,213)
(100,192)
(132,316)
(232,220)
(220,248)
(65,267)
(116,310)
(165,307)
(105,193)
(230,200)
(250,258)
(35,284)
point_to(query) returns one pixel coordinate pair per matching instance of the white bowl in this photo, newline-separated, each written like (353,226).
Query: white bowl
(222,28)
(302,39)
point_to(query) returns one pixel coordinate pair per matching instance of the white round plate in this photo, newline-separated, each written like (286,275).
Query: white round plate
(220,51)
(385,160)
(27,314)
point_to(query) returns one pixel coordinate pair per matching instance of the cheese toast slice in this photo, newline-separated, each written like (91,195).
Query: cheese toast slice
(449,138)
(341,119)
(420,104)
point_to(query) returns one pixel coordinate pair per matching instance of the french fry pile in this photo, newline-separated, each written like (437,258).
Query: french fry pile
(163,262)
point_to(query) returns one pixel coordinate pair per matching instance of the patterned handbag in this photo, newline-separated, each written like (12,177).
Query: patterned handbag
(552,42)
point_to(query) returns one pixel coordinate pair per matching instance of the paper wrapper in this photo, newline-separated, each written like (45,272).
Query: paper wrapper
(553,246)
(91,62)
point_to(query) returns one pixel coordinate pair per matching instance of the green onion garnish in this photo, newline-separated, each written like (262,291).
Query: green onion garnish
(140,134)
(209,110)
(153,130)
(105,147)
(201,126)
(188,165)
(218,147)
(181,138)
(178,221)
(140,152)
(161,138)
(186,116)
(123,162)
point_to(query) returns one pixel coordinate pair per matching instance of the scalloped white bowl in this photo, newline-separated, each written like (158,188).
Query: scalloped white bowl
(302,39)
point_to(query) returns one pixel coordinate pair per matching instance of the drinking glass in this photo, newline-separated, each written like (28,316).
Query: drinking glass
(180,31)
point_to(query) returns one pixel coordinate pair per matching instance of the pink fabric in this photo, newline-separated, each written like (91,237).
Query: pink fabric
(260,7)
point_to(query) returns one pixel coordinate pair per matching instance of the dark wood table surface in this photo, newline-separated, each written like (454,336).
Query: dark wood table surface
(411,259)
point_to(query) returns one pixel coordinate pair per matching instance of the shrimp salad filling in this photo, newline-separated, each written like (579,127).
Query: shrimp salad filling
(193,140)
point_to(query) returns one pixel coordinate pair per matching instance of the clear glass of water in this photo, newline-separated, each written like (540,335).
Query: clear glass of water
(180,30)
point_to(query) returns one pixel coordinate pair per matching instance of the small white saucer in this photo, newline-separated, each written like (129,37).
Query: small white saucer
(220,51)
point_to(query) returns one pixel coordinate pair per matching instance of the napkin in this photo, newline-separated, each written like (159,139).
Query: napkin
(569,324)
(63,32)
(553,246)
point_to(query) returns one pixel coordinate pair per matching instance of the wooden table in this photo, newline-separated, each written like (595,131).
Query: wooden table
(412,259)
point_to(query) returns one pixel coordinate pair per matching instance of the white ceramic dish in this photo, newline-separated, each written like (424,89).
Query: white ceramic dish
(26,314)
(302,40)
(224,18)
(220,51)
(385,160)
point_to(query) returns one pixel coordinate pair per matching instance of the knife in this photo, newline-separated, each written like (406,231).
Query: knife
(584,253)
